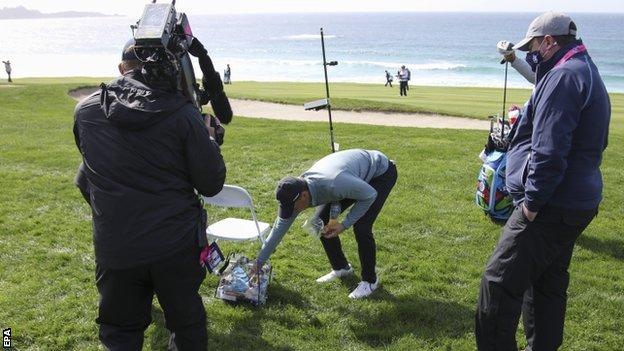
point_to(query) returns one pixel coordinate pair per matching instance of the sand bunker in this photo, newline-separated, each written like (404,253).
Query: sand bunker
(267,110)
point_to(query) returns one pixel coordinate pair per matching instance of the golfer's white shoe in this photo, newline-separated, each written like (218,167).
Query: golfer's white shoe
(333,275)
(364,289)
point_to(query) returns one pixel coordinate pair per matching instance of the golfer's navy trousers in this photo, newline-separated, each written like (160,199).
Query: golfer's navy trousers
(363,228)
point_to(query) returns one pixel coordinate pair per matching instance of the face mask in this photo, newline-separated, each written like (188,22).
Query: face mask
(534,58)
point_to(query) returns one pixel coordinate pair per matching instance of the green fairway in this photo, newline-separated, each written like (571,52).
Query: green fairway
(433,242)
(454,101)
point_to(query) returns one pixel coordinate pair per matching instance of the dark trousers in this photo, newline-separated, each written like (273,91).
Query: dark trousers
(403,89)
(363,228)
(10,80)
(126,302)
(528,273)
(388,82)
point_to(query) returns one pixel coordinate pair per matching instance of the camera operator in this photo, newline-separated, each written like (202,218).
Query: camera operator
(144,152)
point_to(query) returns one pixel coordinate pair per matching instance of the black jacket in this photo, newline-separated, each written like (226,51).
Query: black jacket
(144,151)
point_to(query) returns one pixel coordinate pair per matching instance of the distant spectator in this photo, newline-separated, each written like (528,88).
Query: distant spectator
(409,77)
(403,78)
(7,67)
(227,75)
(388,79)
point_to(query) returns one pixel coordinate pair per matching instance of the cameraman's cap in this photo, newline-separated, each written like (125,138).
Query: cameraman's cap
(548,23)
(287,192)
(128,51)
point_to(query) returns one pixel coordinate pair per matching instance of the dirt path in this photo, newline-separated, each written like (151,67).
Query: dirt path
(257,109)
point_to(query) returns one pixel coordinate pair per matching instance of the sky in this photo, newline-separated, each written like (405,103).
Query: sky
(196,7)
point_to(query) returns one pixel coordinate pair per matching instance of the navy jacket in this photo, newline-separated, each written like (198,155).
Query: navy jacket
(144,151)
(555,155)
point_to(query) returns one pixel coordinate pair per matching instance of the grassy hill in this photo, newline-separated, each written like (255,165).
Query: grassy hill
(433,242)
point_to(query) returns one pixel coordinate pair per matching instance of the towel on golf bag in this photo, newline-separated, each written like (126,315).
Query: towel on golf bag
(236,285)
(492,196)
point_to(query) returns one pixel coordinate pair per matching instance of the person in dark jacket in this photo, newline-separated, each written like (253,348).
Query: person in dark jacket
(144,152)
(7,68)
(227,75)
(388,79)
(409,77)
(553,175)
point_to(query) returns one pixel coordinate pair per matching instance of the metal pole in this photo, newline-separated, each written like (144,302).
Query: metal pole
(504,101)
(331,126)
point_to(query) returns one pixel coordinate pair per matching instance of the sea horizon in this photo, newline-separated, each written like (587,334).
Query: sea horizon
(440,48)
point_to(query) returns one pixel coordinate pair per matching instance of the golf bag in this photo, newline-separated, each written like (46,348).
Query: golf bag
(492,195)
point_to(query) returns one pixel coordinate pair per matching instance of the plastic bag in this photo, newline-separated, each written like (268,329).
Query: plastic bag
(236,285)
(314,227)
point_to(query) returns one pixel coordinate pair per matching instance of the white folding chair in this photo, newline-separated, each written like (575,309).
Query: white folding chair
(235,228)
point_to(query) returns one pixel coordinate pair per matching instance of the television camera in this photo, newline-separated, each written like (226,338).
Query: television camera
(164,42)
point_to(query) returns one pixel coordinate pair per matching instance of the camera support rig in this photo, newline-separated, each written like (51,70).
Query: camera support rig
(324,103)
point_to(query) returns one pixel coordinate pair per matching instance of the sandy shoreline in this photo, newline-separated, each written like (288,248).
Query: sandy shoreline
(268,110)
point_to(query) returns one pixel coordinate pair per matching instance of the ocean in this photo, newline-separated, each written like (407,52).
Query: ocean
(442,49)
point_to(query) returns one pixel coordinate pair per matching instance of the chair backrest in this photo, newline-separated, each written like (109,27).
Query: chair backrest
(238,197)
(231,196)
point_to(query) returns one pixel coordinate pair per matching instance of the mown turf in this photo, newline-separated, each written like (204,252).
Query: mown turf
(432,241)
(455,101)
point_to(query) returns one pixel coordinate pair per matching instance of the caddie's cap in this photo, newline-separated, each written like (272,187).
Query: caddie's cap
(128,51)
(548,23)
(287,192)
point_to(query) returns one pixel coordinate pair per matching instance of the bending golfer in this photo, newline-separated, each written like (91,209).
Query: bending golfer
(362,178)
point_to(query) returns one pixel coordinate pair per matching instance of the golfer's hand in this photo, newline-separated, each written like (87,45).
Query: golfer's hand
(510,58)
(503,49)
(333,229)
(528,214)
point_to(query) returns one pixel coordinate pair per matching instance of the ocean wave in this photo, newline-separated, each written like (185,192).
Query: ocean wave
(303,37)
(431,66)
(270,62)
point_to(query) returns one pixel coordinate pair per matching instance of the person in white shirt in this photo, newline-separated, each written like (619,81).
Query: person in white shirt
(403,79)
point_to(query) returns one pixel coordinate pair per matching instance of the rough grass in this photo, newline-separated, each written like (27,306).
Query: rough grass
(433,242)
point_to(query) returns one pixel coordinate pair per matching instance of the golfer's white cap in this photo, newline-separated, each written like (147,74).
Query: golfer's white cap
(548,23)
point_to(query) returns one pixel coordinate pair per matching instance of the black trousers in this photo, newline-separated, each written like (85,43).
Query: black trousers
(363,228)
(126,302)
(10,80)
(388,82)
(403,89)
(528,273)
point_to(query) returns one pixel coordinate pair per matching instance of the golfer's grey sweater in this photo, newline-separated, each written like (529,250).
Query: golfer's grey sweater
(338,176)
